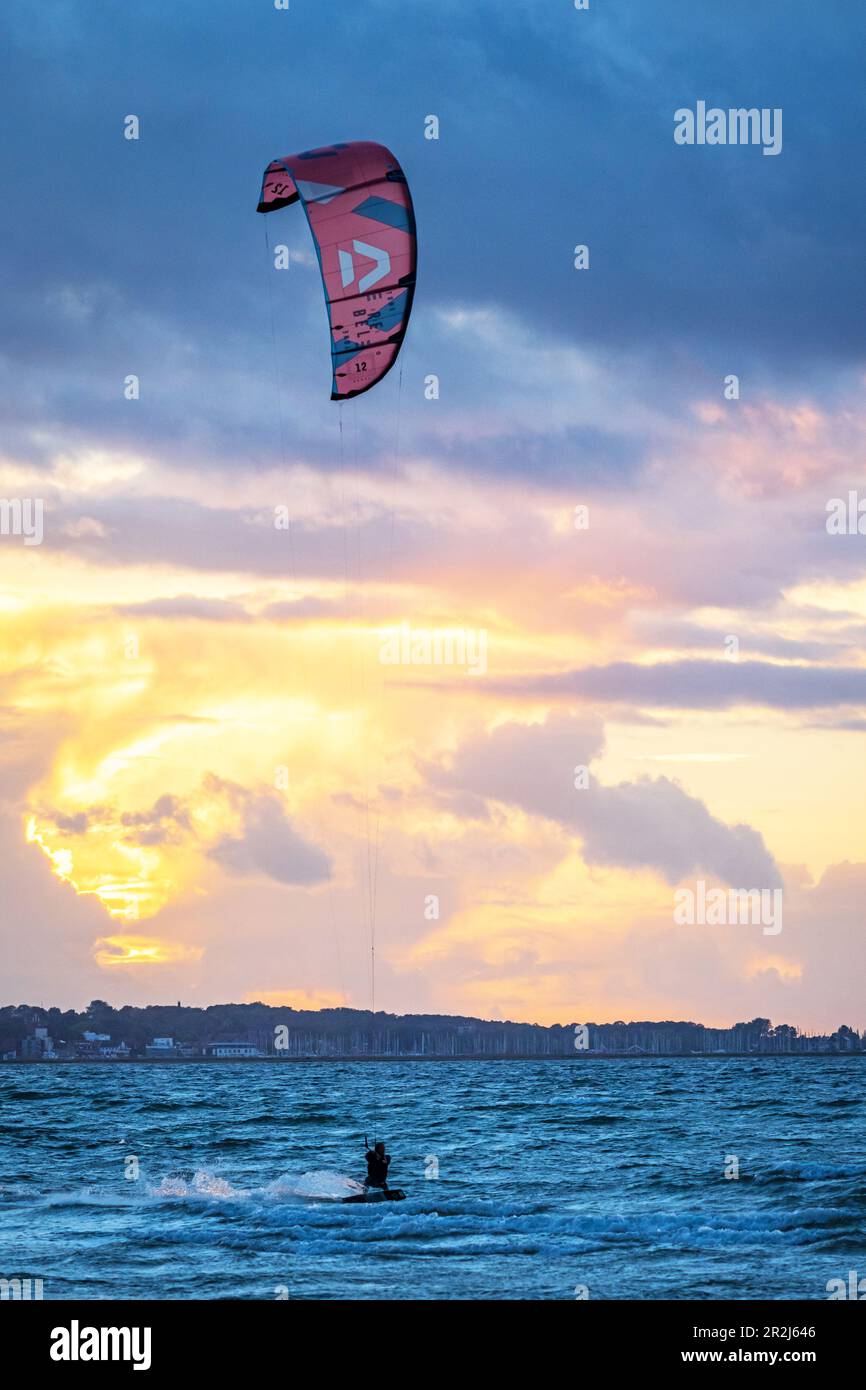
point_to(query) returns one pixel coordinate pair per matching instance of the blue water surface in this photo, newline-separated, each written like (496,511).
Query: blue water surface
(552,1175)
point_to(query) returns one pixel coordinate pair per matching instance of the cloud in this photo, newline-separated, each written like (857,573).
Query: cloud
(650,823)
(161,824)
(84,526)
(654,823)
(699,684)
(269,844)
(689,636)
(185,606)
(76,824)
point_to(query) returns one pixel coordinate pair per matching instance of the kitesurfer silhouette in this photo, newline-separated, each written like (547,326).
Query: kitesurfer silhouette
(378,1163)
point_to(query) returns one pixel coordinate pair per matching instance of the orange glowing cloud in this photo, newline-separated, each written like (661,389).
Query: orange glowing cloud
(143,950)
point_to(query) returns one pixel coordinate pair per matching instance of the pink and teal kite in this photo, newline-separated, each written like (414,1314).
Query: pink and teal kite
(360,213)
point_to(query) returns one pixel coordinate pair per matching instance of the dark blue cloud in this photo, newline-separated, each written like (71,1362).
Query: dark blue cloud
(556,128)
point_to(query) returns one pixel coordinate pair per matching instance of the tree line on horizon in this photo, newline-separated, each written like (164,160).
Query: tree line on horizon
(358,1032)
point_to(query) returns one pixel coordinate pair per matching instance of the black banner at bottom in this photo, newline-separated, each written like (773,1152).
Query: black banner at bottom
(177,1338)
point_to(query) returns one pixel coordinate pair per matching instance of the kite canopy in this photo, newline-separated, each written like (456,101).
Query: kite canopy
(360,213)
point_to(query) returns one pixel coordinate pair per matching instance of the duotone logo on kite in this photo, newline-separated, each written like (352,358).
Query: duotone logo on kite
(347,265)
(359,209)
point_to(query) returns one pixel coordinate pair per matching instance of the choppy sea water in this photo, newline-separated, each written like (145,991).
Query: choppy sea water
(551,1175)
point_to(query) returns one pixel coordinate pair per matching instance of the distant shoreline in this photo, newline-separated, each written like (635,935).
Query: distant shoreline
(266,1033)
(579,1057)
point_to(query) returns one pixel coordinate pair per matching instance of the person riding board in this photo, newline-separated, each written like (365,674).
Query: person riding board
(378,1163)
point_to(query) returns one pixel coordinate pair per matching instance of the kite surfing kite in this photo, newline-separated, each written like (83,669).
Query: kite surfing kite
(360,213)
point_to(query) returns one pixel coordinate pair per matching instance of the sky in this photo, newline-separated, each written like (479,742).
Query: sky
(212,787)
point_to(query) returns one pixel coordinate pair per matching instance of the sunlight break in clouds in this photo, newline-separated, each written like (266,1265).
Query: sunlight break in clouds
(112,951)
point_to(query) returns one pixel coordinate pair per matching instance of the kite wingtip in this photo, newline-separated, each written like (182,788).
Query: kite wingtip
(276,203)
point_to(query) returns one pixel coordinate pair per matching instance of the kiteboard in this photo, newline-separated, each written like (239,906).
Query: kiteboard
(376,1194)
